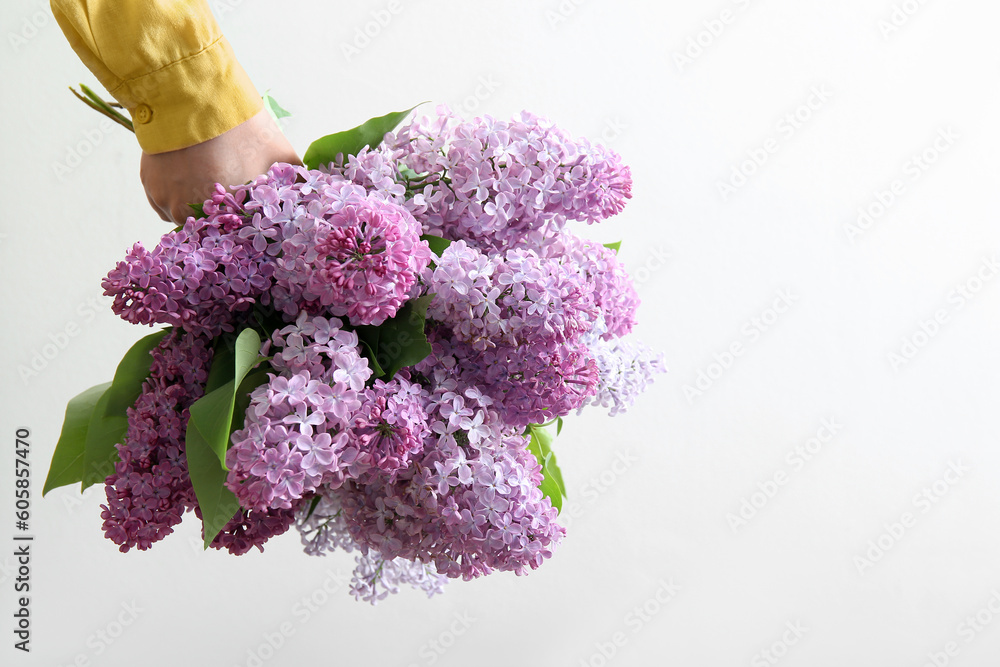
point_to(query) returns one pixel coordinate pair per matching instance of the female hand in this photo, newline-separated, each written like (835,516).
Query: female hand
(188,176)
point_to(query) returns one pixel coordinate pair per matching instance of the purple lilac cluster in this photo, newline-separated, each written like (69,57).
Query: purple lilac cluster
(295,436)
(300,239)
(425,475)
(498,183)
(150,490)
(511,298)
(467,505)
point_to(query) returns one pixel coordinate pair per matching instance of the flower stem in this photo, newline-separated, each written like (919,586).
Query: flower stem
(94,101)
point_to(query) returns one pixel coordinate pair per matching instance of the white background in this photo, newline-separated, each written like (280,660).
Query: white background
(819,554)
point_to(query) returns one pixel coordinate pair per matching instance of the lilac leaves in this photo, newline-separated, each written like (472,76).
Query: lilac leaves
(96,421)
(340,145)
(210,425)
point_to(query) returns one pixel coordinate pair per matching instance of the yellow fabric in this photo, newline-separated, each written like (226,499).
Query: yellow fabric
(167,62)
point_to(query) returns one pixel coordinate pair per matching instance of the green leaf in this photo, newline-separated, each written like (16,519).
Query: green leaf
(436,243)
(132,371)
(103,433)
(109,421)
(274,108)
(67,461)
(199,210)
(401,341)
(350,142)
(614,246)
(242,402)
(409,175)
(369,342)
(559,425)
(213,418)
(312,506)
(552,486)
(217,503)
(211,415)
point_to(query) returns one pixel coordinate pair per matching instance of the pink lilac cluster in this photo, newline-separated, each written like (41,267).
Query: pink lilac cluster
(495,183)
(323,530)
(614,294)
(425,475)
(301,239)
(353,254)
(196,277)
(150,490)
(531,383)
(295,436)
(316,423)
(468,504)
(509,298)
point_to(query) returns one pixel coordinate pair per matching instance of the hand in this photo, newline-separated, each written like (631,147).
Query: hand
(187,176)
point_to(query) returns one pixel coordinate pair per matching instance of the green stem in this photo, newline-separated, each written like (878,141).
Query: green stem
(94,101)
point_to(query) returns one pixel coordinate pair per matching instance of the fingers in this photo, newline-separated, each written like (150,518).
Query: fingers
(181,213)
(159,211)
(175,179)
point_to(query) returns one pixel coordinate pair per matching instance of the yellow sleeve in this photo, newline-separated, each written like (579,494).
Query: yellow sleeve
(166,62)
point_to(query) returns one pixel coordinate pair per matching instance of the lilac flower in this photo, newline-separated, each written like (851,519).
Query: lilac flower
(508,299)
(614,295)
(624,371)
(150,490)
(425,475)
(494,183)
(389,428)
(364,254)
(375,577)
(468,508)
(249,529)
(529,384)
(295,434)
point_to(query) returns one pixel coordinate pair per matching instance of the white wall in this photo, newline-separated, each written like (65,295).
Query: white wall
(600,69)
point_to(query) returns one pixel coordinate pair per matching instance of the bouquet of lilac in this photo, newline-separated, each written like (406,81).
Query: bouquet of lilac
(369,349)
